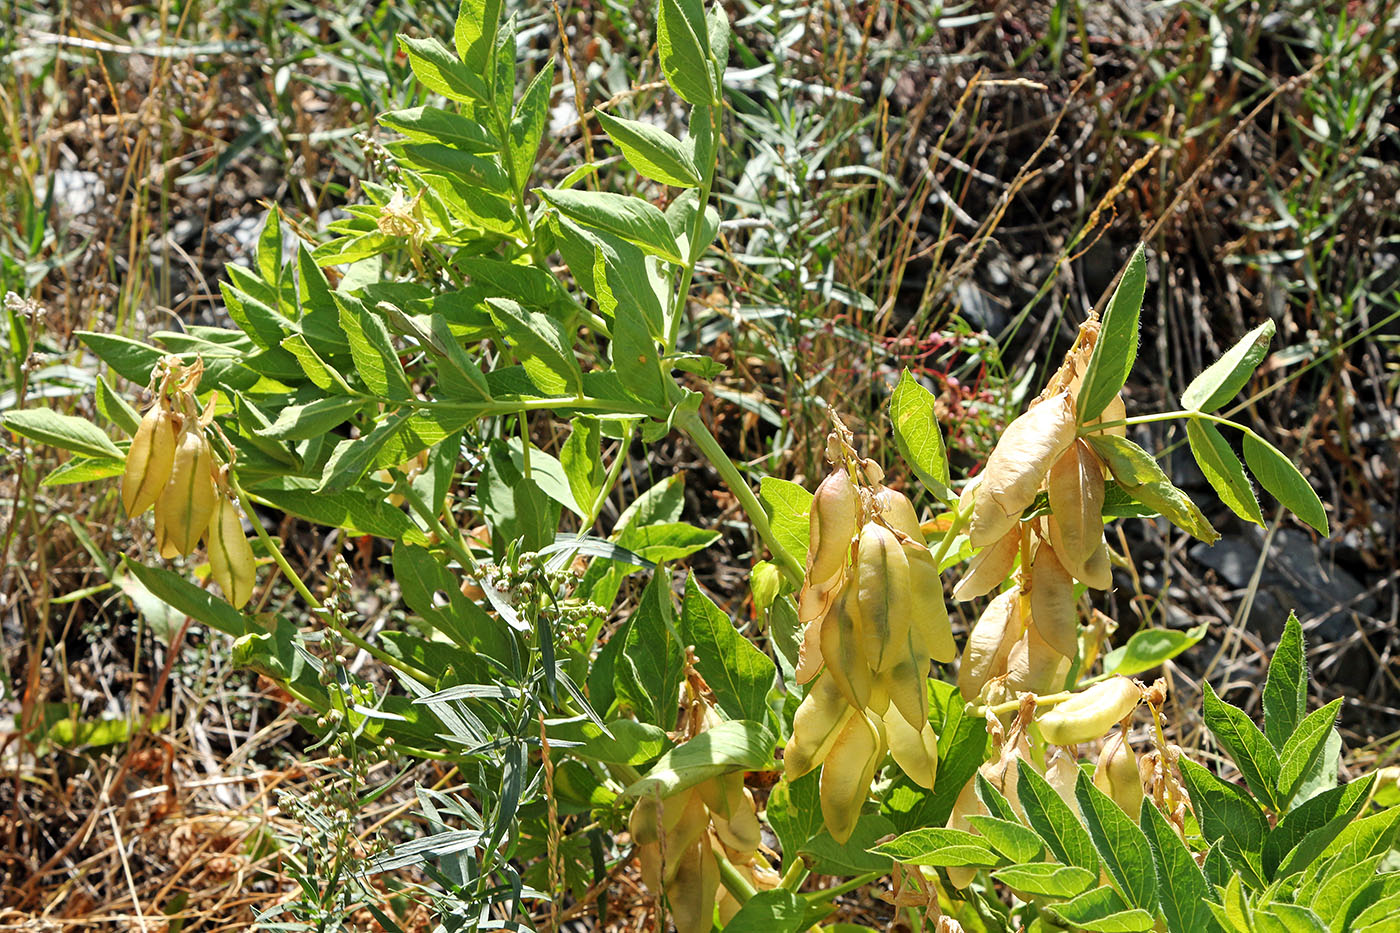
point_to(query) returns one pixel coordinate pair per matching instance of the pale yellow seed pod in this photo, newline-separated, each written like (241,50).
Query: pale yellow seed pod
(814,603)
(1061,771)
(835,520)
(990,642)
(149,461)
(818,722)
(1095,573)
(990,566)
(843,649)
(1076,490)
(905,686)
(884,595)
(1018,465)
(1005,775)
(847,773)
(186,504)
(1053,613)
(691,893)
(930,633)
(1033,666)
(1115,410)
(898,512)
(967,805)
(731,811)
(230,555)
(1116,774)
(1090,713)
(914,749)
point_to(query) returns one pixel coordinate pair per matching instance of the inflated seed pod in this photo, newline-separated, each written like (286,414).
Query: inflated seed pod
(731,811)
(186,504)
(230,556)
(149,461)
(1061,771)
(988,645)
(1116,774)
(818,722)
(914,749)
(835,520)
(1053,613)
(1033,666)
(967,805)
(905,687)
(1017,467)
(990,566)
(1095,573)
(1076,488)
(843,649)
(930,634)
(884,595)
(691,893)
(1091,712)
(847,773)
(898,512)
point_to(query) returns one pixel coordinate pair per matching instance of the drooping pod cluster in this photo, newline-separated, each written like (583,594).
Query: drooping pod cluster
(875,619)
(676,839)
(1027,637)
(170,467)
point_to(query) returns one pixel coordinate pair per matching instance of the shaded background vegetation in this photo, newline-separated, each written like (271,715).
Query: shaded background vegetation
(948,189)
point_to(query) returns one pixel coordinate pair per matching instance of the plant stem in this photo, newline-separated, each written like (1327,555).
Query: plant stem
(736,883)
(300,586)
(830,894)
(691,424)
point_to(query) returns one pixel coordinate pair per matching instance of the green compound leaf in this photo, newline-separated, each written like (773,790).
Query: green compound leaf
(1116,349)
(1281,478)
(1223,379)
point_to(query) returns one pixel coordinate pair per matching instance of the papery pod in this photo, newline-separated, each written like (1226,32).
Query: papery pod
(1116,774)
(1114,411)
(903,687)
(230,555)
(186,504)
(731,811)
(967,805)
(1003,773)
(1090,713)
(1061,771)
(691,893)
(1096,573)
(149,461)
(1076,491)
(930,634)
(914,749)
(998,628)
(990,566)
(843,648)
(818,722)
(895,509)
(835,520)
(847,773)
(1018,465)
(1034,666)
(1053,615)
(815,602)
(882,588)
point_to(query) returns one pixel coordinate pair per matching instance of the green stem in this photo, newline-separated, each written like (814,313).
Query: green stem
(691,424)
(697,224)
(960,520)
(1088,429)
(831,894)
(737,885)
(299,585)
(796,874)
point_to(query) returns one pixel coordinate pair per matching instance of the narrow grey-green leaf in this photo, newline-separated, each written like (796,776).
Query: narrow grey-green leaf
(1225,813)
(1150,647)
(1116,349)
(299,422)
(541,346)
(1223,470)
(1010,838)
(940,847)
(475,32)
(115,408)
(1223,379)
(528,123)
(435,125)
(1281,478)
(1046,879)
(440,71)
